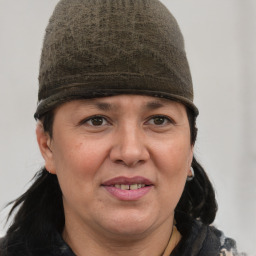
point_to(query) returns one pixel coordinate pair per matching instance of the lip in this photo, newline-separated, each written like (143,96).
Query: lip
(128,195)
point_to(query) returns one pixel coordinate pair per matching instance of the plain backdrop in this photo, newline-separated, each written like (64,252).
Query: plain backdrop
(220,37)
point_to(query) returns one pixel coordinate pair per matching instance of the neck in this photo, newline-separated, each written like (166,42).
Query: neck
(85,241)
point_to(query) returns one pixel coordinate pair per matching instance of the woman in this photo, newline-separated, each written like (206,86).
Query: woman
(116,128)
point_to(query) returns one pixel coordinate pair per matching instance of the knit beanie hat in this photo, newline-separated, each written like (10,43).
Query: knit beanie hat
(97,48)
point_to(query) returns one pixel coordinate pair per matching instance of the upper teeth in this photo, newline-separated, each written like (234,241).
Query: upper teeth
(130,187)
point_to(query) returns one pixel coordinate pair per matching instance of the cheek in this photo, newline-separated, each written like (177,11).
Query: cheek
(78,165)
(173,162)
(78,172)
(174,156)
(78,155)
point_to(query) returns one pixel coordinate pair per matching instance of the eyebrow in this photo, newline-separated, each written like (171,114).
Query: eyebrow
(154,105)
(103,106)
(151,105)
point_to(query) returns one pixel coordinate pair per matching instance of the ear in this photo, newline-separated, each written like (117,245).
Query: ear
(44,143)
(190,159)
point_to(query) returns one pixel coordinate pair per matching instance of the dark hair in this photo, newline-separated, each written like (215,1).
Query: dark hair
(41,208)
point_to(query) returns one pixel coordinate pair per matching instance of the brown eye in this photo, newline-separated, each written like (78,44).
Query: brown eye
(159,120)
(95,121)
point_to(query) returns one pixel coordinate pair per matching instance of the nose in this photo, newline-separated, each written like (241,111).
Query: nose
(129,147)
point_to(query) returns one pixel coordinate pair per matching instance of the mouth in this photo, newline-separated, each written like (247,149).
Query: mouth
(127,183)
(128,189)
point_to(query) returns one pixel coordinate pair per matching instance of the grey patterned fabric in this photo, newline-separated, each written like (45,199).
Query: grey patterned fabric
(204,240)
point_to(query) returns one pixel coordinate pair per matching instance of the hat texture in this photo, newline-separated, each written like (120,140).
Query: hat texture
(97,48)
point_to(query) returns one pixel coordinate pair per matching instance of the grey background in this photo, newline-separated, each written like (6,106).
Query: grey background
(220,38)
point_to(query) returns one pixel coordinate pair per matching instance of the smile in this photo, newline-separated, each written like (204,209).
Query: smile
(129,187)
(128,182)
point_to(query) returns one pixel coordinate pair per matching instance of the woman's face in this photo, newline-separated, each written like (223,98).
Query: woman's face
(121,161)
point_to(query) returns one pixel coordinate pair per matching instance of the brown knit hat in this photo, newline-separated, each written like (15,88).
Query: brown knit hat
(97,48)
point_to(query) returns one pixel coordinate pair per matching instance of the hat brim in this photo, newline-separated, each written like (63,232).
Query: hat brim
(75,93)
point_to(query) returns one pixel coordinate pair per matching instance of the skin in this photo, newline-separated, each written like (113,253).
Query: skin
(128,139)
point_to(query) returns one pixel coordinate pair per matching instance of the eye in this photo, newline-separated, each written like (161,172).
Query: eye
(159,120)
(95,121)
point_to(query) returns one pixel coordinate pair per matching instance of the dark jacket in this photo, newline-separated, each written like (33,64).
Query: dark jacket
(202,240)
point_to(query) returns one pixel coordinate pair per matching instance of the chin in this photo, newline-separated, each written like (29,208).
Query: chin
(132,231)
(129,225)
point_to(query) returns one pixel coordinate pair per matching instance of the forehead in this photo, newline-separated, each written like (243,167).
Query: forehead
(122,106)
(125,101)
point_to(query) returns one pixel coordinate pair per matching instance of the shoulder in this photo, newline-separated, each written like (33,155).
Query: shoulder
(16,248)
(206,240)
(19,246)
(226,245)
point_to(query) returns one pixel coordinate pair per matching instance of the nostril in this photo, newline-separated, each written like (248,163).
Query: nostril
(120,162)
(129,164)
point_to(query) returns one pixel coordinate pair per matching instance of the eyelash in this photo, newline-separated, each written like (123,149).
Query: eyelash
(87,120)
(167,120)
